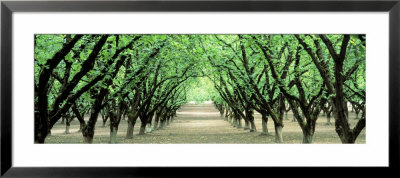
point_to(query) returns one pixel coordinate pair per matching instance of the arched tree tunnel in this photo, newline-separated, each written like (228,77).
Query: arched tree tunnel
(200,88)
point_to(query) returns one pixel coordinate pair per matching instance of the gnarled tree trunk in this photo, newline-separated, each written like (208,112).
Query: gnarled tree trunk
(264,120)
(246,125)
(278,133)
(253,126)
(113,134)
(142,127)
(148,128)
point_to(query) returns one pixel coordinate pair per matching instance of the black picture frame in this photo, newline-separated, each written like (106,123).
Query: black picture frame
(8,7)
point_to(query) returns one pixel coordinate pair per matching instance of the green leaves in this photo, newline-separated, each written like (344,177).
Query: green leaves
(205,66)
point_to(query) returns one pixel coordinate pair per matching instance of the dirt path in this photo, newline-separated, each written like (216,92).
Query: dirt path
(201,124)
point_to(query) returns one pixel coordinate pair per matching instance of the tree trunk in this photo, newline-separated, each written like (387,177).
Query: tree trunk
(80,127)
(148,128)
(253,126)
(67,128)
(226,115)
(87,133)
(162,122)
(236,120)
(88,139)
(40,139)
(155,127)
(40,127)
(156,120)
(104,123)
(129,132)
(246,125)
(132,118)
(142,128)
(81,124)
(80,116)
(88,129)
(278,133)
(113,133)
(328,119)
(348,140)
(131,126)
(221,110)
(264,120)
(68,121)
(307,137)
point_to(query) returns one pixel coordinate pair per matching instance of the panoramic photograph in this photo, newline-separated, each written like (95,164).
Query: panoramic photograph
(200,89)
